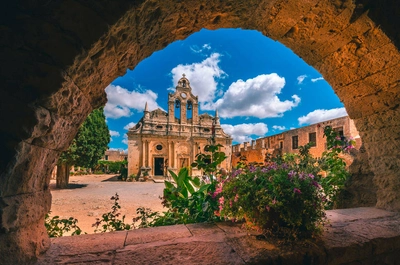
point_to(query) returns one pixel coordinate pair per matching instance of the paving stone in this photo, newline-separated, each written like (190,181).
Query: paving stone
(203,229)
(152,234)
(83,244)
(363,212)
(104,258)
(183,253)
(232,229)
(250,249)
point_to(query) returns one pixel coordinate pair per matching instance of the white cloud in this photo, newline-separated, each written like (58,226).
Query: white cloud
(320,115)
(113,149)
(256,97)
(114,133)
(121,101)
(202,77)
(242,132)
(300,79)
(196,48)
(129,125)
(125,140)
(279,128)
(316,79)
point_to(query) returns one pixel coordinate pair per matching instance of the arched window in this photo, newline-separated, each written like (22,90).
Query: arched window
(189,112)
(177,109)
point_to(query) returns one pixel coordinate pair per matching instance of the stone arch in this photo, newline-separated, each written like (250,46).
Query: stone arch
(58,57)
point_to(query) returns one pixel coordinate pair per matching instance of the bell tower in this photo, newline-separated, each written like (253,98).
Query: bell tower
(183,102)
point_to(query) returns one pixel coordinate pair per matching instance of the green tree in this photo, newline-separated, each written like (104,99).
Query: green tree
(86,149)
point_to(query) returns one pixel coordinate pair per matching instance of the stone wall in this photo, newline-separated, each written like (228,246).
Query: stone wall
(58,57)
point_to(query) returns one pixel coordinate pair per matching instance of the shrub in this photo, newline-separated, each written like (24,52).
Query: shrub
(111,166)
(278,198)
(110,221)
(56,227)
(287,196)
(124,173)
(334,166)
(189,199)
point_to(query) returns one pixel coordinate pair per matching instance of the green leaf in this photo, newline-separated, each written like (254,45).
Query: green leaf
(174,176)
(196,181)
(204,188)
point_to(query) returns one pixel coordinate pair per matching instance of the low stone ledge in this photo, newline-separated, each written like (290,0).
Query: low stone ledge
(161,233)
(84,244)
(352,236)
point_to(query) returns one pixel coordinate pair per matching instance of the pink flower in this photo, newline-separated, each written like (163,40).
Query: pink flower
(296,190)
(291,174)
(218,190)
(236,197)
(267,207)
(316,184)
(221,203)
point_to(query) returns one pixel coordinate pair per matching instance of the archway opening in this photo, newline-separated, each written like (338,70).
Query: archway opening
(276,91)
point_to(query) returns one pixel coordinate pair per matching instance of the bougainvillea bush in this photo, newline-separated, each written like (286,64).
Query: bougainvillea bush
(276,198)
(287,196)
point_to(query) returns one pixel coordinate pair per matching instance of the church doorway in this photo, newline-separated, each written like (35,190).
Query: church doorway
(158,166)
(183,162)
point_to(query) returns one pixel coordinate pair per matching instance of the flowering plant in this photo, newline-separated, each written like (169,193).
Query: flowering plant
(287,196)
(278,198)
(334,166)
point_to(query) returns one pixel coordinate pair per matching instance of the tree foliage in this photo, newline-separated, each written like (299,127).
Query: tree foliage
(90,143)
(87,148)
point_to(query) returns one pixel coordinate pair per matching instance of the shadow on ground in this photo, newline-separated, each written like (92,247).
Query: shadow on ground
(71,186)
(113,178)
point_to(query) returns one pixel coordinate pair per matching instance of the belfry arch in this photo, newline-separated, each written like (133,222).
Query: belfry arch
(58,57)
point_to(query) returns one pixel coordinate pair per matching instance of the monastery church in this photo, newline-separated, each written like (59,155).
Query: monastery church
(163,141)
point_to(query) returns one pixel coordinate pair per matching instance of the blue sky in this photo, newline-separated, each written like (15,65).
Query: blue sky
(259,86)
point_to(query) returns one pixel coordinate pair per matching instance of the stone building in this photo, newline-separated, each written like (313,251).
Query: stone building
(290,141)
(115,155)
(171,140)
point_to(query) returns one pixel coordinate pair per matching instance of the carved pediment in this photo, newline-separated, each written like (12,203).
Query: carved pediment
(158,113)
(206,116)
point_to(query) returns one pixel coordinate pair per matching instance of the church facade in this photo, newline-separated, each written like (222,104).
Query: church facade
(163,141)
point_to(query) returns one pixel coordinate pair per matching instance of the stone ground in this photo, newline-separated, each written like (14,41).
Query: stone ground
(354,236)
(88,197)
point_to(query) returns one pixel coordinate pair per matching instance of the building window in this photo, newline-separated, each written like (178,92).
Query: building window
(312,139)
(281,145)
(106,157)
(159,147)
(159,127)
(339,131)
(295,142)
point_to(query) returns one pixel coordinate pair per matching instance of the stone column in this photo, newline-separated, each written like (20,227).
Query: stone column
(143,157)
(173,156)
(147,154)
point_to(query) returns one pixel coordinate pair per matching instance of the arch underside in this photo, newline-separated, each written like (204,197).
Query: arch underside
(59,57)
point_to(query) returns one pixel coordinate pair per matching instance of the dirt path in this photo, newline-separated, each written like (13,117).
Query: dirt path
(88,197)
